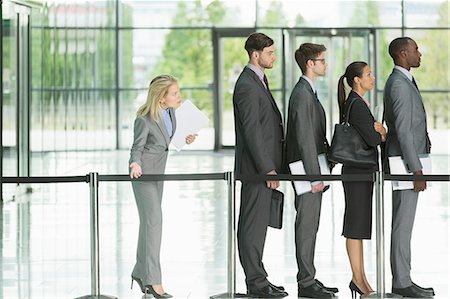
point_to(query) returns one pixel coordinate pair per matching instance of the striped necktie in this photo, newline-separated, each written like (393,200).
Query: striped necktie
(266,82)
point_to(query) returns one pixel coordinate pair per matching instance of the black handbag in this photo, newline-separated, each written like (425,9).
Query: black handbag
(276,209)
(349,148)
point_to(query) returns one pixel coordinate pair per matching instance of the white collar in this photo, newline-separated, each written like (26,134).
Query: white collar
(404,71)
(310,83)
(257,71)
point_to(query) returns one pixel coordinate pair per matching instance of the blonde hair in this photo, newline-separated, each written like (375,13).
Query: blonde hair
(157,90)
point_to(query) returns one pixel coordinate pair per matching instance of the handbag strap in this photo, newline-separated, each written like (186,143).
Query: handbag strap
(346,116)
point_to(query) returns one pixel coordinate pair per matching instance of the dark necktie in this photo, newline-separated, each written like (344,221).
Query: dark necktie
(266,82)
(415,84)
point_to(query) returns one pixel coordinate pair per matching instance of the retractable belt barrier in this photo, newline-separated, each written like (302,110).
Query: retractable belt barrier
(94,178)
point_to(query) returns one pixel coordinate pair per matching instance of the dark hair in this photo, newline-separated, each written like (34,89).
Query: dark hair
(354,69)
(306,52)
(257,41)
(397,45)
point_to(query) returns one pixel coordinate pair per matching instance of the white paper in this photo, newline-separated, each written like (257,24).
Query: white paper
(189,121)
(398,166)
(302,187)
(378,114)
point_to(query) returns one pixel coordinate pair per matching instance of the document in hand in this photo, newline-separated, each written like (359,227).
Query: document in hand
(297,167)
(398,166)
(189,121)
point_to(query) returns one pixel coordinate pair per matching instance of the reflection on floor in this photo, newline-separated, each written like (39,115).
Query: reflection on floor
(45,235)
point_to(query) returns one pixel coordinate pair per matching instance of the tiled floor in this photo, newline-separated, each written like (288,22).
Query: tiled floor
(45,241)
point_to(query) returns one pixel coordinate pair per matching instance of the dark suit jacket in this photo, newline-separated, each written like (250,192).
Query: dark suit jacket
(406,120)
(306,128)
(362,120)
(258,125)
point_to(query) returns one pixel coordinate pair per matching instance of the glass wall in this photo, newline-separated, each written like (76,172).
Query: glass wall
(92,60)
(74,77)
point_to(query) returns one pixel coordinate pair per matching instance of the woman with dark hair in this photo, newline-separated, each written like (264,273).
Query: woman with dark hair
(358,195)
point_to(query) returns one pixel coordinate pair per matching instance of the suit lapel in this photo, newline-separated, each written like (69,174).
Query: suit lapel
(174,121)
(163,129)
(357,97)
(413,87)
(318,105)
(409,82)
(261,85)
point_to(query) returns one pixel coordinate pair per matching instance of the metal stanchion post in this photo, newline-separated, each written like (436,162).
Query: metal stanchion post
(379,202)
(95,265)
(379,222)
(231,233)
(231,287)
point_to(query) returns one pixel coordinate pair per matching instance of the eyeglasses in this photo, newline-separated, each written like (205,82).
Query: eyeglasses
(319,59)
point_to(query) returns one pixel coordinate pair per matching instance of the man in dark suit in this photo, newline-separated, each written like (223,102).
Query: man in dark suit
(259,144)
(305,140)
(407,137)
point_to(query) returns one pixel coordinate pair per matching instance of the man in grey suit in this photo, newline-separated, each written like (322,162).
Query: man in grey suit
(259,144)
(305,140)
(407,137)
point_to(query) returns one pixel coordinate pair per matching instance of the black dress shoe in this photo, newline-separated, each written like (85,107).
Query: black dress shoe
(329,289)
(426,290)
(267,292)
(314,291)
(281,288)
(412,292)
(157,295)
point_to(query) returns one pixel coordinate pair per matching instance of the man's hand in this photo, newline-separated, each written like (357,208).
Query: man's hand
(317,188)
(419,185)
(272,184)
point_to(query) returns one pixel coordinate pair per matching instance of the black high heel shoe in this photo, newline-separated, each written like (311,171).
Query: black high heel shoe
(156,295)
(144,289)
(354,288)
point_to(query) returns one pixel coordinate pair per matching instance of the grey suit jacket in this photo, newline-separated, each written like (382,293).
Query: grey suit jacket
(151,143)
(406,120)
(306,128)
(258,126)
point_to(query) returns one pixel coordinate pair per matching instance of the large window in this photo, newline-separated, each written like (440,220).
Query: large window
(92,60)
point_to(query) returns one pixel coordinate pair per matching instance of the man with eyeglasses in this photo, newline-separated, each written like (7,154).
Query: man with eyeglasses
(305,141)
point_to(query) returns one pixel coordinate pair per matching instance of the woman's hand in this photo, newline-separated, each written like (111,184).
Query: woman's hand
(190,138)
(136,170)
(380,129)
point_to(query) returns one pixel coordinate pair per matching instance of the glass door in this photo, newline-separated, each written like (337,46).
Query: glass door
(15,92)
(228,64)
(343,47)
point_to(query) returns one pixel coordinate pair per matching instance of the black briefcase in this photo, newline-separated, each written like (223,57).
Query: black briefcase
(276,209)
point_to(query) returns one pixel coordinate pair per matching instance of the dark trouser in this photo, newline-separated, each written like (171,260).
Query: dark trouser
(252,228)
(306,225)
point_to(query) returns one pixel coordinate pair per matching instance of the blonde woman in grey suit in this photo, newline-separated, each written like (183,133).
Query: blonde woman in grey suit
(153,129)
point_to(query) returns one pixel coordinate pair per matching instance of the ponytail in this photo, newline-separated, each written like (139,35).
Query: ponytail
(341,98)
(354,69)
